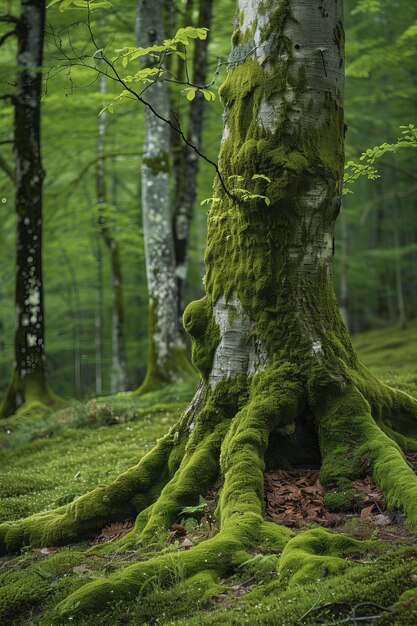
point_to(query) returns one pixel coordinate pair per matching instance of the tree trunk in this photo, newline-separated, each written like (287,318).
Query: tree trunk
(187,175)
(344,253)
(28,384)
(118,374)
(167,361)
(280,379)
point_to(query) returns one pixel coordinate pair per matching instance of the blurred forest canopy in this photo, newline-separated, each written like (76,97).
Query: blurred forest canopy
(375,246)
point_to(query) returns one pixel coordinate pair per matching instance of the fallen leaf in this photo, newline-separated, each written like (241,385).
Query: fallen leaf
(367,512)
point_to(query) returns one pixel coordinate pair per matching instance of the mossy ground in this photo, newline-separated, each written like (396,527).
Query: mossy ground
(48,458)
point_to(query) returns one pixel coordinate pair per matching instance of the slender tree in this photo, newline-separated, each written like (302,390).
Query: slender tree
(188,163)
(280,379)
(118,374)
(28,383)
(167,361)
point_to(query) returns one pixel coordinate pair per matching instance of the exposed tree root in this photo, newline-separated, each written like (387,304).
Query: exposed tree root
(226,432)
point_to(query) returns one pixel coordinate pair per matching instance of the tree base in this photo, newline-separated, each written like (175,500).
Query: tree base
(360,426)
(31,393)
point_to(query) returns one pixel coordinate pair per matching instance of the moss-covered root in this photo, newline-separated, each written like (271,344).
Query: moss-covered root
(216,555)
(393,410)
(199,470)
(350,440)
(317,553)
(402,424)
(131,492)
(240,507)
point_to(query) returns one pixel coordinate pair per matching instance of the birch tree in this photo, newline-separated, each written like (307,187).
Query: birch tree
(28,382)
(167,361)
(276,362)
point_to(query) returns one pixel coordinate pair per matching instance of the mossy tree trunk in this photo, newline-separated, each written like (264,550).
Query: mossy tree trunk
(167,360)
(281,383)
(28,383)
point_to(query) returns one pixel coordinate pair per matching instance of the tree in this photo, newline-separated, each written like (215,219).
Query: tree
(280,379)
(28,383)
(167,361)
(118,376)
(187,166)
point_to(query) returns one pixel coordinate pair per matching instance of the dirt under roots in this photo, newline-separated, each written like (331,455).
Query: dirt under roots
(352,428)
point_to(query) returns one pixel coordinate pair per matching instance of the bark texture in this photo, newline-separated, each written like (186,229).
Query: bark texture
(167,362)
(28,383)
(268,338)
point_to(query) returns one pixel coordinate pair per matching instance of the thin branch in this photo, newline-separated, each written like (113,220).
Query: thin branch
(6,36)
(175,128)
(10,19)
(109,155)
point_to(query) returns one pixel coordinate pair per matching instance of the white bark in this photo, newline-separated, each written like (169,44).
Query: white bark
(157,223)
(239,352)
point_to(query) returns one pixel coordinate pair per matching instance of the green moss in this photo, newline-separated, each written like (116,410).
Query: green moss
(340,501)
(158,164)
(199,323)
(317,553)
(33,391)
(24,588)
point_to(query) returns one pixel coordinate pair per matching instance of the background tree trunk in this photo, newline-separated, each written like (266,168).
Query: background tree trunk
(167,361)
(189,164)
(118,374)
(28,382)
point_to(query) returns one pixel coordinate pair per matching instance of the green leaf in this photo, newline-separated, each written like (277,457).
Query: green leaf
(190,94)
(257,176)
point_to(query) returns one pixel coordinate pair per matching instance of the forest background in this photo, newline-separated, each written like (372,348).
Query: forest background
(375,244)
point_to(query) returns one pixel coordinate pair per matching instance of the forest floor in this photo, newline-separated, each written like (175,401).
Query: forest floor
(49,459)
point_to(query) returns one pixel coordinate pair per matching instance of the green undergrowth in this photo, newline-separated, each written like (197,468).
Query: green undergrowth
(56,457)
(50,458)
(257,594)
(391,354)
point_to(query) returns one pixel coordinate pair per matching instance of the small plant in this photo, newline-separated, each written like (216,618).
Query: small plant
(366,164)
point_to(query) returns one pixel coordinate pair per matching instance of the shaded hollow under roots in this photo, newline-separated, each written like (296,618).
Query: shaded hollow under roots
(361,426)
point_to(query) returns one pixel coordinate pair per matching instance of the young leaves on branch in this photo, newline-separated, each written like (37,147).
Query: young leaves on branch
(170,46)
(242,193)
(366,164)
(148,75)
(90,5)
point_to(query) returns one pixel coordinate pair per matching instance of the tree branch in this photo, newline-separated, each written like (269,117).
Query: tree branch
(10,19)
(6,36)
(176,128)
(109,155)
(7,169)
